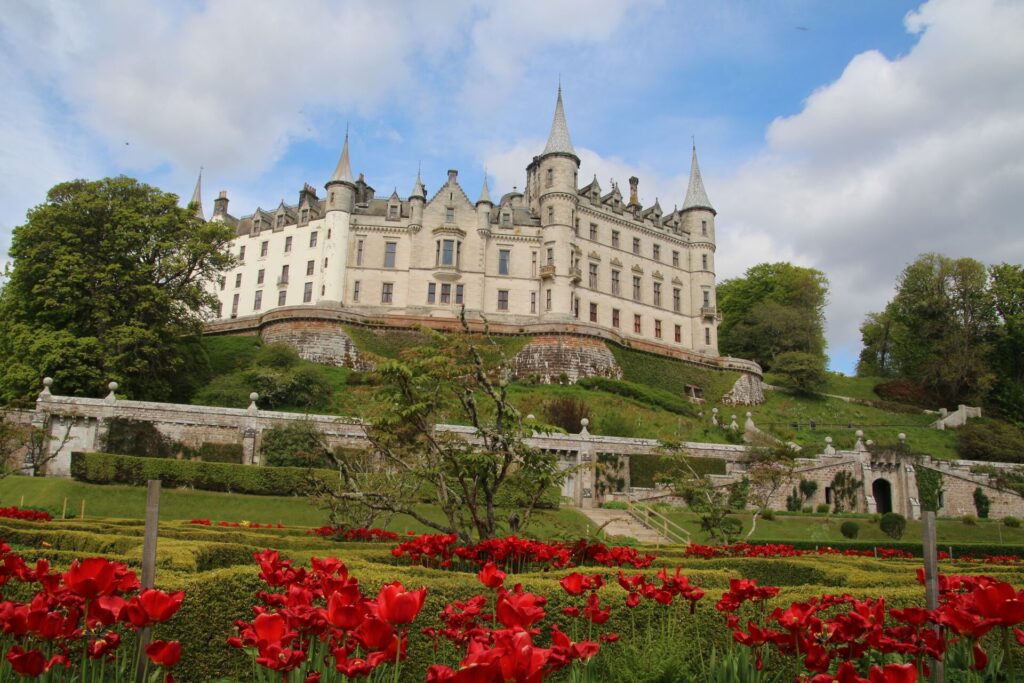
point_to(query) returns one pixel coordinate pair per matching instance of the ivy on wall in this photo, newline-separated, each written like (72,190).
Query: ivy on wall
(929,486)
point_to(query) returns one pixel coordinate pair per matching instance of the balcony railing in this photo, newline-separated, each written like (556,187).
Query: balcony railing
(547,272)
(708,312)
(282,281)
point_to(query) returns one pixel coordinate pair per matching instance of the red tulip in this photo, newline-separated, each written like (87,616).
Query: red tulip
(519,609)
(91,578)
(164,653)
(398,606)
(491,576)
(893,673)
(575,583)
(30,664)
(160,606)
(343,614)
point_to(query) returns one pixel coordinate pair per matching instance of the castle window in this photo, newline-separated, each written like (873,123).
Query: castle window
(257,300)
(615,238)
(449,215)
(636,323)
(533,302)
(310,265)
(448,252)
(592,279)
(657,294)
(506,219)
(533,263)
(459,294)
(283,280)
(255,226)
(679,334)
(593,232)
(259,276)
(325,264)
(223,282)
(677,299)
(636,245)
(355,291)
(675,259)
(287,244)
(328,233)
(307,292)
(312,239)
(504,255)
(549,180)
(431,292)
(636,288)
(551,256)
(304,215)
(220,309)
(707,299)
(393,211)
(656,252)
(615,318)
(615,283)
(593,313)
(282,296)
(704,227)
(502,299)
(704,261)
(238,280)
(280,221)
(547,301)
(446,293)
(387,290)
(390,249)
(234,306)
(264,248)
(576,226)
(359,252)
(241,253)
(576,307)
(657,329)
(551,215)
(707,336)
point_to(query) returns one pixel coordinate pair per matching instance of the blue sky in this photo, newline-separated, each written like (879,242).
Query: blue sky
(848,136)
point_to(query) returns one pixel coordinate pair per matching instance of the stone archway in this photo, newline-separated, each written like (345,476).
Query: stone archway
(881,490)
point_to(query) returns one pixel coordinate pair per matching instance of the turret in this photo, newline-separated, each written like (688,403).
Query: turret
(484,206)
(333,244)
(197,198)
(551,192)
(417,199)
(341,188)
(698,219)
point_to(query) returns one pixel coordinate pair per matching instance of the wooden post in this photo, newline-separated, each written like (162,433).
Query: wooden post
(64,512)
(149,559)
(22,502)
(931,581)
(82,515)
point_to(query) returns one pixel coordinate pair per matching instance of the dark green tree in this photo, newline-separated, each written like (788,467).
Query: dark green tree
(774,308)
(1006,284)
(108,283)
(804,372)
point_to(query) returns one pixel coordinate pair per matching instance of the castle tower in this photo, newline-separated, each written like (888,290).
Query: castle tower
(551,192)
(698,219)
(197,197)
(417,199)
(333,245)
(484,206)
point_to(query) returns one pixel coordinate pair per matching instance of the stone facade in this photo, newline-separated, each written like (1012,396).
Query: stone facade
(562,251)
(747,391)
(551,358)
(319,341)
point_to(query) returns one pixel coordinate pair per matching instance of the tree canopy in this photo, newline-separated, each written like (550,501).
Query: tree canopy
(108,283)
(773,309)
(954,327)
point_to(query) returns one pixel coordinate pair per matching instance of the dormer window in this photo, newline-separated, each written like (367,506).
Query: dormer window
(392,211)
(255,226)
(506,219)
(304,215)
(280,221)
(449,215)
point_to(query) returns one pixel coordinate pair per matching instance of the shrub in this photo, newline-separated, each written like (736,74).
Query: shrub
(614,424)
(298,444)
(969,520)
(804,372)
(849,529)
(991,441)
(893,524)
(659,398)
(138,437)
(768,515)
(615,505)
(566,412)
(929,486)
(739,493)
(875,518)
(807,509)
(644,468)
(981,503)
(824,508)
(107,468)
(220,452)
(1012,522)
(903,391)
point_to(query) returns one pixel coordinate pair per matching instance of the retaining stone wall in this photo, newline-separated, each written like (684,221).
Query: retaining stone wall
(552,357)
(319,341)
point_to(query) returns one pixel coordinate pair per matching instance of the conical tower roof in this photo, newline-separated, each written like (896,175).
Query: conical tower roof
(559,141)
(343,171)
(696,195)
(197,197)
(485,192)
(418,190)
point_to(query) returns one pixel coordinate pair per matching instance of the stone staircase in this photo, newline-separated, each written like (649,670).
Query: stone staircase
(621,523)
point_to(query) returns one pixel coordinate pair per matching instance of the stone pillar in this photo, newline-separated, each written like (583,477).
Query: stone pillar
(587,476)
(250,428)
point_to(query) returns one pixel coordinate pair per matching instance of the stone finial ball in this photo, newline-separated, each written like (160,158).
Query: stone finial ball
(530,417)
(828,439)
(47,381)
(584,422)
(112,386)
(750,415)
(859,433)
(715,411)
(254,396)
(734,417)
(901,436)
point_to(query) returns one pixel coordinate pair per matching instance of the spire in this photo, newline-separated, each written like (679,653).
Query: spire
(559,141)
(485,193)
(418,190)
(343,172)
(197,196)
(696,196)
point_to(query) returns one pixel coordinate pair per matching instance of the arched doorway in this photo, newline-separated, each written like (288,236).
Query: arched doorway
(881,489)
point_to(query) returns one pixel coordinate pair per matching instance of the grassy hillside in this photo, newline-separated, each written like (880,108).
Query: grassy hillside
(785,415)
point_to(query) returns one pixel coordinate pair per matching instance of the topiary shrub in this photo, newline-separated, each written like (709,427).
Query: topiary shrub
(768,515)
(981,503)
(1012,522)
(849,529)
(824,508)
(220,452)
(299,444)
(893,524)
(969,520)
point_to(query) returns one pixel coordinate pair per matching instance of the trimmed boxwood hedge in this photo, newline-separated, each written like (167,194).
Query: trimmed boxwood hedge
(659,398)
(106,468)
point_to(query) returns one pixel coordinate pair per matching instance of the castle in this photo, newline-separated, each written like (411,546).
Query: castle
(556,256)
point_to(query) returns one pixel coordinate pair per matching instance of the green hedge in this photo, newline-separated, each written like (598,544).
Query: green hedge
(220,452)
(659,398)
(105,468)
(644,468)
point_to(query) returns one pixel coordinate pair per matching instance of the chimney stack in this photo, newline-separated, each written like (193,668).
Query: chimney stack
(220,204)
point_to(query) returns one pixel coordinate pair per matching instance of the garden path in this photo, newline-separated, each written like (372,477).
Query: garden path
(620,523)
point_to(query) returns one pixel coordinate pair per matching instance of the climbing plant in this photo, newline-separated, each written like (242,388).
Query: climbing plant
(929,487)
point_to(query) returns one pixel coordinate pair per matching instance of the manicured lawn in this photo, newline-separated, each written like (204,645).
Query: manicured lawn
(129,502)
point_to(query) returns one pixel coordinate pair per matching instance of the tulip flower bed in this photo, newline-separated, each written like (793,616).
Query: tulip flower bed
(14,512)
(581,620)
(73,627)
(357,534)
(243,524)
